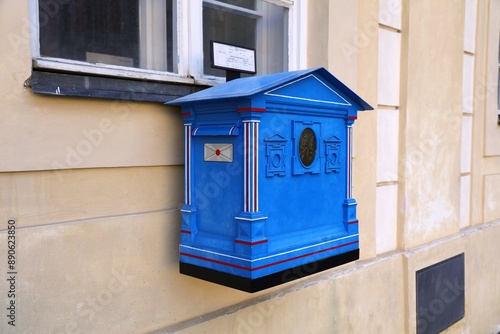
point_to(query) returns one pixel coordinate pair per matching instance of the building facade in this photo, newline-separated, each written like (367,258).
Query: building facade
(92,168)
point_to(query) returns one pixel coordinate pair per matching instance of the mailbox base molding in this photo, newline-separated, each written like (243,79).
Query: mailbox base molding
(265,282)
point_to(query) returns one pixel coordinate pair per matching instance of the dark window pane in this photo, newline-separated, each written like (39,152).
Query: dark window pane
(97,27)
(230,28)
(170,37)
(111,32)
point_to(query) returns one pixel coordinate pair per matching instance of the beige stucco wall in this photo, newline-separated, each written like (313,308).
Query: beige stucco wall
(492,128)
(337,302)
(430,121)
(485,157)
(364,189)
(98,235)
(492,138)
(68,133)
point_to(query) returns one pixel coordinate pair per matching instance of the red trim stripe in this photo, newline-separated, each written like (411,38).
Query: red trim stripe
(185,231)
(305,255)
(353,222)
(216,261)
(270,264)
(186,114)
(248,243)
(251,109)
(352,117)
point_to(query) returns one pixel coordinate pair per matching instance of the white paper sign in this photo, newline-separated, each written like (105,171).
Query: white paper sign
(231,57)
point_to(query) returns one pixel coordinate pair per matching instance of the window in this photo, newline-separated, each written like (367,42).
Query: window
(251,24)
(162,40)
(114,32)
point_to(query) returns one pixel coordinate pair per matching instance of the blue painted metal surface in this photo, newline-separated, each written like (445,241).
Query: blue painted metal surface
(268,177)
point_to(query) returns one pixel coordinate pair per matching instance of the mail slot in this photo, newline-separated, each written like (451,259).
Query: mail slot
(268,179)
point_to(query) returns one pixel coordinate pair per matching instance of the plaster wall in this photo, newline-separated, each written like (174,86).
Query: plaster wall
(62,133)
(484,162)
(482,280)
(56,197)
(342,30)
(338,302)
(488,99)
(365,148)
(430,129)
(491,197)
(492,136)
(389,77)
(317,33)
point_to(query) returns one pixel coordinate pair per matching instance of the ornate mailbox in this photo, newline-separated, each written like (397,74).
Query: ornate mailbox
(267,195)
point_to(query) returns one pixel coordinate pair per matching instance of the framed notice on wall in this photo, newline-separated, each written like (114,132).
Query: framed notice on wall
(232,58)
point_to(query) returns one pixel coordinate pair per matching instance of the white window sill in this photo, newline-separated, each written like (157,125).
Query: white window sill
(74,66)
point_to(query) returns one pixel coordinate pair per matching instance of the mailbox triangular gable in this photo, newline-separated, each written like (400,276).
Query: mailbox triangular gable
(312,85)
(309,88)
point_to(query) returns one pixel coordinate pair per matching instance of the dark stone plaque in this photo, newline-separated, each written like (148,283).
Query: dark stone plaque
(307,147)
(440,295)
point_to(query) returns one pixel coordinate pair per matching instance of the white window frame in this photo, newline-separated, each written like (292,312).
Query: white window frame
(189,42)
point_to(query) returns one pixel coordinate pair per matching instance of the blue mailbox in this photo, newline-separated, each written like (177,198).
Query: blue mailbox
(268,175)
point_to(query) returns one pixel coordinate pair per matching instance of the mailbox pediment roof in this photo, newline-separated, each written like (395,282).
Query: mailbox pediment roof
(323,87)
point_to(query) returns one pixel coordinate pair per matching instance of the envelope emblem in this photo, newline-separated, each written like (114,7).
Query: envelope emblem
(218,152)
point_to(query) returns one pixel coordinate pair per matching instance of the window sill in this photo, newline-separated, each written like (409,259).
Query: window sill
(99,69)
(43,81)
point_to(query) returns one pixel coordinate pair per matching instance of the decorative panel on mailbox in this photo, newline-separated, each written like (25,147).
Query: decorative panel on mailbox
(267,195)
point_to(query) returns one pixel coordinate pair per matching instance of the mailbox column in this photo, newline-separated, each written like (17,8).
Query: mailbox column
(251,239)
(188,211)
(349,206)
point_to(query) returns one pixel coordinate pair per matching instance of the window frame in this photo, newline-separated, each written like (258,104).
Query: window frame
(189,42)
